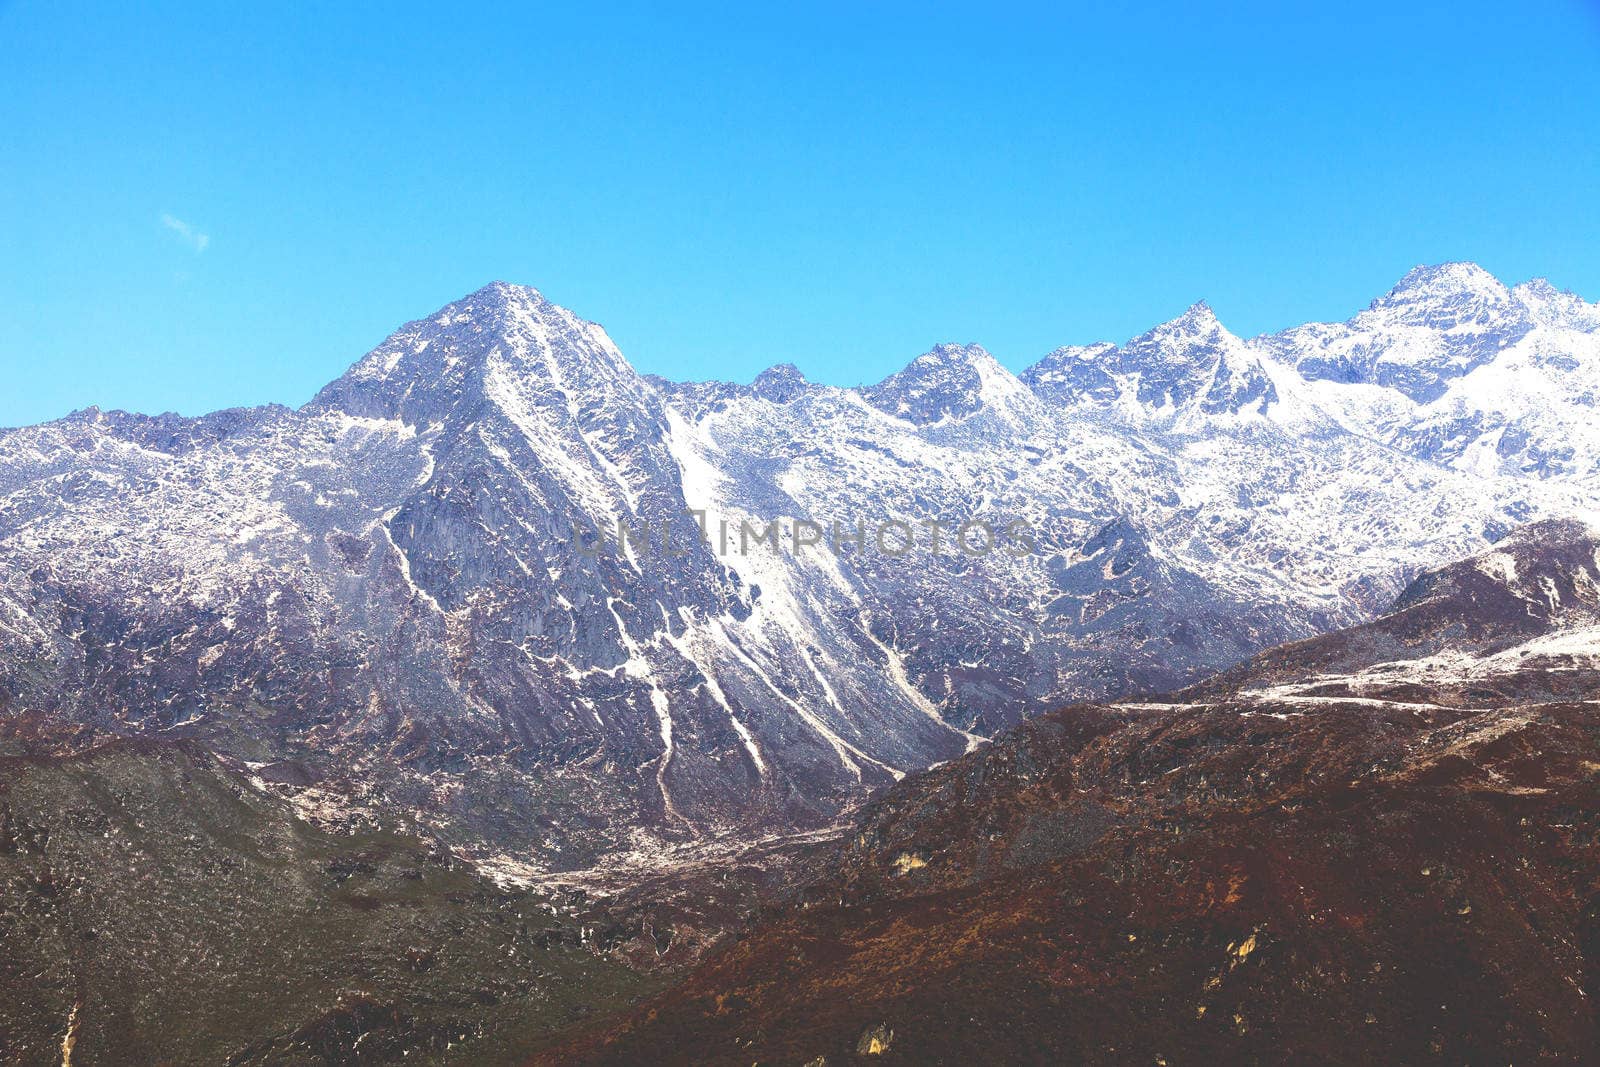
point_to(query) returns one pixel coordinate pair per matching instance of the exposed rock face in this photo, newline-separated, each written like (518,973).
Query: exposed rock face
(1395,865)
(399,585)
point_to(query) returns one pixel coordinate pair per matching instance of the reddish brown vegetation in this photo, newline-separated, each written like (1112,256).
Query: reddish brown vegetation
(1195,885)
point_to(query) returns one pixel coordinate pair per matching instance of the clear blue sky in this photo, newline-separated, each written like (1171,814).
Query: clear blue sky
(206,206)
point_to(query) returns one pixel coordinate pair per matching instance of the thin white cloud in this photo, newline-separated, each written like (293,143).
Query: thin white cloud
(186,233)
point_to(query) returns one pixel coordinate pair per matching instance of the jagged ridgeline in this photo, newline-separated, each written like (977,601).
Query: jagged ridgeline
(391,589)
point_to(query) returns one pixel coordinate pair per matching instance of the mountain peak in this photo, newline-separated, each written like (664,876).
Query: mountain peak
(499,298)
(504,290)
(431,364)
(1558,307)
(950,355)
(1198,325)
(1436,325)
(1199,315)
(1195,362)
(780,383)
(1197,333)
(500,305)
(947,381)
(1192,361)
(1444,283)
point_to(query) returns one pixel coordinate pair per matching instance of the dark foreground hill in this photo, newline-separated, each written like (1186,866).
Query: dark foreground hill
(157,906)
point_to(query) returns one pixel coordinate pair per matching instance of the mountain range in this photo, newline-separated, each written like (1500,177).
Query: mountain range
(410,600)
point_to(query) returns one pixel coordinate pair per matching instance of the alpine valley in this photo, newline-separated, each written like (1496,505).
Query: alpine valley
(479,637)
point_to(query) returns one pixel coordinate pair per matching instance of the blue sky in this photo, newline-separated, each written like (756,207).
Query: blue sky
(206,206)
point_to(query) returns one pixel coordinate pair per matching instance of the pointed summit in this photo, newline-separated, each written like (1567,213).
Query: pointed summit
(498,334)
(1438,324)
(947,354)
(1195,361)
(1198,316)
(1194,339)
(497,302)
(1182,373)
(947,382)
(941,364)
(1198,321)
(503,291)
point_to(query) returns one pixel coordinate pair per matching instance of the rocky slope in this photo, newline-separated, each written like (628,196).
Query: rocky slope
(1377,846)
(413,585)
(1517,624)
(159,905)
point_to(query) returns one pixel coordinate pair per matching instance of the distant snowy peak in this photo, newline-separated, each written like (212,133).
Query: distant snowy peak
(1445,295)
(948,383)
(1197,321)
(1193,361)
(1183,374)
(1462,296)
(1437,325)
(1074,373)
(1560,308)
(781,384)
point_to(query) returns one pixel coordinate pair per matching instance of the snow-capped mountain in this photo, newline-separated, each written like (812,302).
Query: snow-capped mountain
(415,584)
(1456,368)
(1179,376)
